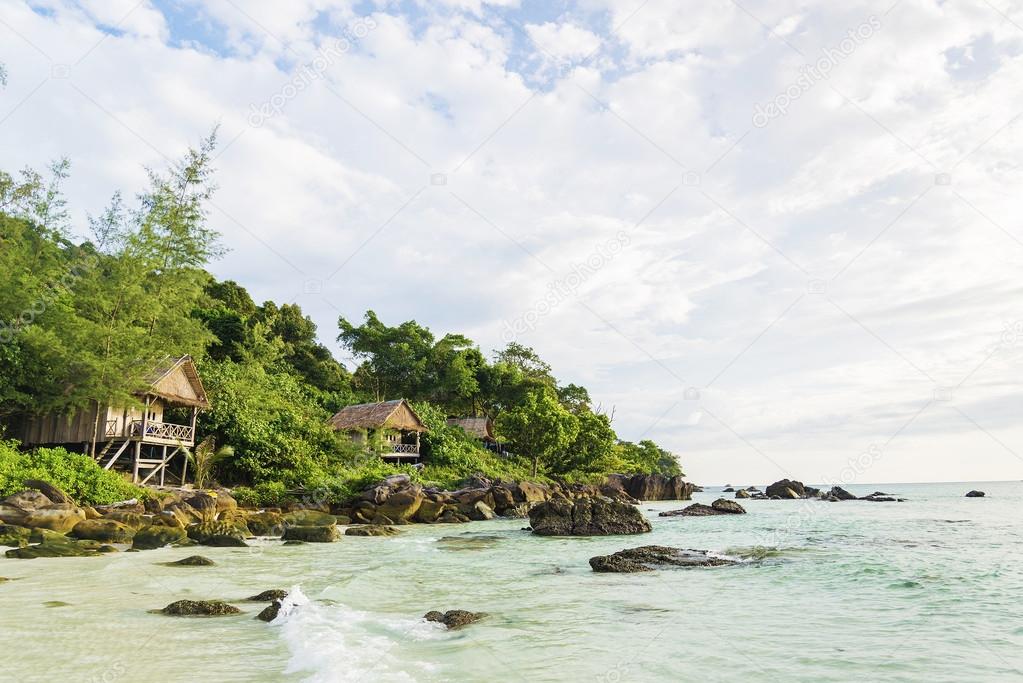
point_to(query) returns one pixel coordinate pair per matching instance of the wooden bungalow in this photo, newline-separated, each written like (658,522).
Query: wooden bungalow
(143,432)
(394,423)
(480,427)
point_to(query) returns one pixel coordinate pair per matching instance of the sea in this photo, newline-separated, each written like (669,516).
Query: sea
(929,589)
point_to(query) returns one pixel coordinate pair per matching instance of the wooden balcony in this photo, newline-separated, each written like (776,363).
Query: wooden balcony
(151,432)
(403,450)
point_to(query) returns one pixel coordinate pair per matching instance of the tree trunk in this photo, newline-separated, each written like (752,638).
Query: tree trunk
(95,431)
(536,461)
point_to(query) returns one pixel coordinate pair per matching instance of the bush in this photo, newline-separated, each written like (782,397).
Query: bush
(77,475)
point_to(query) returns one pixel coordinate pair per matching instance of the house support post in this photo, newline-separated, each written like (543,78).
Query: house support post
(135,464)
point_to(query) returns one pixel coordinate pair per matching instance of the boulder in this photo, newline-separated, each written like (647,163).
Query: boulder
(649,557)
(720,506)
(975,494)
(728,489)
(429,510)
(49,490)
(269,595)
(786,488)
(199,608)
(308,518)
(531,492)
(728,507)
(203,503)
(225,501)
(53,544)
(742,493)
(191,561)
(105,530)
(371,530)
(840,493)
(266,523)
(481,511)
(59,517)
(658,487)
(455,618)
(135,520)
(153,537)
(312,534)
(403,504)
(11,514)
(16,536)
(219,534)
(271,611)
(29,500)
(586,517)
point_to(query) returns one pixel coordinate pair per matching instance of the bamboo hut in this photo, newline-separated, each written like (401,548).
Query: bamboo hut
(393,423)
(480,427)
(141,432)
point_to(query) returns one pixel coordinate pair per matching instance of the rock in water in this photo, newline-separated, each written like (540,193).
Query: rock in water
(271,611)
(455,618)
(16,536)
(220,534)
(975,494)
(308,518)
(106,530)
(840,493)
(729,507)
(649,557)
(192,561)
(266,523)
(153,537)
(371,530)
(586,517)
(200,608)
(786,488)
(720,506)
(312,534)
(269,595)
(742,493)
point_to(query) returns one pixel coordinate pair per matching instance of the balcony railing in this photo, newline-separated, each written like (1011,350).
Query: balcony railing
(406,448)
(161,430)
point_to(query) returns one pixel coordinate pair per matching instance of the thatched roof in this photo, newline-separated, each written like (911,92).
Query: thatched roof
(177,381)
(397,414)
(480,427)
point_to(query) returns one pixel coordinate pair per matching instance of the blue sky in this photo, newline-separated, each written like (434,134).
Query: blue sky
(781,238)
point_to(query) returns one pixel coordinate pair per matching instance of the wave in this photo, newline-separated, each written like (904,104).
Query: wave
(333,643)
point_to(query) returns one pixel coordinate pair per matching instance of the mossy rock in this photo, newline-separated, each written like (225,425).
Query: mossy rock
(269,595)
(61,518)
(15,536)
(309,518)
(266,523)
(220,534)
(271,611)
(372,530)
(199,608)
(191,561)
(312,534)
(153,537)
(56,545)
(106,530)
(134,520)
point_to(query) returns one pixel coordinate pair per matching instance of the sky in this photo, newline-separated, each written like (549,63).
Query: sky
(780,238)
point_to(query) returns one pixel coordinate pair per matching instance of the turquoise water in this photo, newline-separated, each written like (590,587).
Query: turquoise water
(929,589)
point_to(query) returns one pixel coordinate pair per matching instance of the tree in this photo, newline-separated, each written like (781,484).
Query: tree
(396,360)
(540,428)
(592,447)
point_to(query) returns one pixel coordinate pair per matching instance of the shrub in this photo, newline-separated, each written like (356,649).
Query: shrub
(76,474)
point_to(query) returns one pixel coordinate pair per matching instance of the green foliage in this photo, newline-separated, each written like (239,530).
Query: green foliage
(646,457)
(264,494)
(77,475)
(541,428)
(205,457)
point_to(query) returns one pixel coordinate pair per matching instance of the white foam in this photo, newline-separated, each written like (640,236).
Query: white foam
(334,643)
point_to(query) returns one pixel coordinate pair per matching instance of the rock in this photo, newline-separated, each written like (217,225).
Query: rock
(135,520)
(16,536)
(203,503)
(293,543)
(720,506)
(271,611)
(106,530)
(371,530)
(728,489)
(269,595)
(586,517)
(312,534)
(28,500)
(975,494)
(429,510)
(219,534)
(59,517)
(786,488)
(657,487)
(531,492)
(481,511)
(49,490)
(840,493)
(742,493)
(455,618)
(191,561)
(225,502)
(153,537)
(308,518)
(396,481)
(11,514)
(879,499)
(200,608)
(517,511)
(52,544)
(402,505)
(266,523)
(649,557)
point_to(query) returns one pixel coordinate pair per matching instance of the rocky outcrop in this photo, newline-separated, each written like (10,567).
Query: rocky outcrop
(786,488)
(720,506)
(59,517)
(270,612)
(586,517)
(153,537)
(51,492)
(650,557)
(371,530)
(222,534)
(307,518)
(266,523)
(14,536)
(454,618)
(46,543)
(975,494)
(651,486)
(840,493)
(199,608)
(312,534)
(106,530)
(269,595)
(743,493)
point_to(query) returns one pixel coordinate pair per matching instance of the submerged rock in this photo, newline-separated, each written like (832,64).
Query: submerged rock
(270,612)
(192,561)
(16,536)
(720,506)
(586,517)
(153,537)
(269,595)
(371,530)
(52,544)
(649,557)
(742,493)
(454,618)
(312,534)
(975,494)
(219,534)
(199,608)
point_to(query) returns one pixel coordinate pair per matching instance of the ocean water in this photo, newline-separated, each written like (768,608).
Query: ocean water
(930,589)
